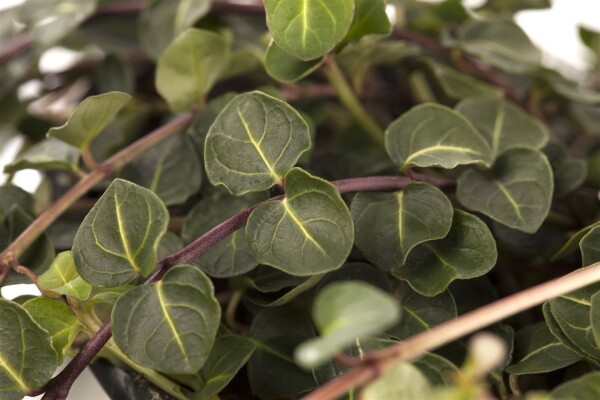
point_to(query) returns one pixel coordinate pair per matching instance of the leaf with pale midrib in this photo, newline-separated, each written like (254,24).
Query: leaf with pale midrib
(516,192)
(27,359)
(254,142)
(389,225)
(118,239)
(307,233)
(308,29)
(431,135)
(62,278)
(169,326)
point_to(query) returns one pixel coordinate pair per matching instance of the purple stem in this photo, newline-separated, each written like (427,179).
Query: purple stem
(58,387)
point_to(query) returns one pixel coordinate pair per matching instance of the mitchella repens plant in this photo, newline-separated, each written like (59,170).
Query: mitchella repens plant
(298,198)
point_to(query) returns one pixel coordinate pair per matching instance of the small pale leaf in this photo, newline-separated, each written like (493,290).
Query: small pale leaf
(389,225)
(187,70)
(309,232)
(62,278)
(57,319)
(468,251)
(90,118)
(308,29)
(254,142)
(27,359)
(169,326)
(401,382)
(49,154)
(431,135)
(343,312)
(118,239)
(516,192)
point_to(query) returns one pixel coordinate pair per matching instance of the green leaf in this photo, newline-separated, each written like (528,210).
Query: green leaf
(57,319)
(117,240)
(357,271)
(402,382)
(502,124)
(569,172)
(230,256)
(516,192)
(457,85)
(37,257)
(343,312)
(188,69)
(421,313)
(512,6)
(308,29)
(468,251)
(283,67)
(51,20)
(437,370)
(539,351)
(590,247)
(172,170)
(49,154)
(62,278)
(431,135)
(569,89)
(169,244)
(229,354)
(169,326)
(572,244)
(272,372)
(309,232)
(370,18)
(585,387)
(199,128)
(557,332)
(15,197)
(254,142)
(90,118)
(114,74)
(389,225)
(161,21)
(27,359)
(501,43)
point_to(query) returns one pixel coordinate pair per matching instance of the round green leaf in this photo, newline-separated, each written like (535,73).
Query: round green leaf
(172,170)
(516,192)
(468,251)
(569,172)
(169,326)
(389,225)
(254,142)
(309,232)
(402,382)
(286,68)
(431,135)
(590,247)
(370,18)
(344,311)
(586,387)
(118,239)
(455,84)
(438,370)
(503,125)
(90,118)
(187,70)
(230,256)
(27,359)
(308,29)
(62,278)
(15,197)
(57,318)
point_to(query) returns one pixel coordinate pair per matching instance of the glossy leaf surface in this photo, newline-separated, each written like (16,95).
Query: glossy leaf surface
(27,359)
(190,66)
(389,225)
(169,326)
(516,192)
(432,135)
(117,240)
(343,312)
(90,118)
(309,232)
(254,142)
(468,251)
(308,29)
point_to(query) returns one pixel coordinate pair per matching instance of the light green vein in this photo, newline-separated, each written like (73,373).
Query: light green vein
(304,22)
(13,375)
(498,122)
(123,236)
(416,317)
(510,199)
(163,307)
(297,221)
(262,155)
(578,301)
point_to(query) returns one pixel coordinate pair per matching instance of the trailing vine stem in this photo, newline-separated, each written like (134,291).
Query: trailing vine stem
(59,386)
